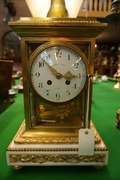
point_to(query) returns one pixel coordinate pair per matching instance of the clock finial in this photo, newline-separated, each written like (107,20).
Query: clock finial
(57,9)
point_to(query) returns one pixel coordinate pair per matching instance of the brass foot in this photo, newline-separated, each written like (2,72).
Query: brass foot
(17,167)
(98,167)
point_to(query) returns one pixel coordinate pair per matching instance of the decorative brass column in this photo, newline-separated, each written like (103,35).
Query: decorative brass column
(115,19)
(117,76)
(116,12)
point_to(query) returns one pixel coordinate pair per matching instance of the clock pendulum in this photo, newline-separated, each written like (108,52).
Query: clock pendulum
(57,64)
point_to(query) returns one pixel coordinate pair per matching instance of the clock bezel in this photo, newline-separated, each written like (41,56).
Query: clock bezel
(49,44)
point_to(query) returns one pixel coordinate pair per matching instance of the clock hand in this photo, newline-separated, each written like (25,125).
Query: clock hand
(54,71)
(58,75)
(69,75)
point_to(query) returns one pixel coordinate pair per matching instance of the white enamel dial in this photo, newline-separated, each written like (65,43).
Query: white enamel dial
(57,73)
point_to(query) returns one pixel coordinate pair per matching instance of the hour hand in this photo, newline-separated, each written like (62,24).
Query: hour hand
(69,75)
(54,71)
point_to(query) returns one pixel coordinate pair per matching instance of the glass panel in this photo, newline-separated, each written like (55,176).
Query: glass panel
(69,115)
(11,46)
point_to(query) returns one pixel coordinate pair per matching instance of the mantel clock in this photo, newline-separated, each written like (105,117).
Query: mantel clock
(57,64)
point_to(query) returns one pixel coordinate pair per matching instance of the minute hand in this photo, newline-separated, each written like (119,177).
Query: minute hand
(54,71)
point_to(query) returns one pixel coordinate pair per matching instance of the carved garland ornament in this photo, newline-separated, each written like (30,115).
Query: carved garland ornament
(24,158)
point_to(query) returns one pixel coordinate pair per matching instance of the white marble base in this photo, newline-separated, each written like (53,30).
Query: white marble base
(23,154)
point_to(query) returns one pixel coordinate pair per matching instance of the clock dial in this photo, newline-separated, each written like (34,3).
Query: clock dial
(57,73)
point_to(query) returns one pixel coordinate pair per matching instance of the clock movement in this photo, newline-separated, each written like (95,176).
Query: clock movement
(57,66)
